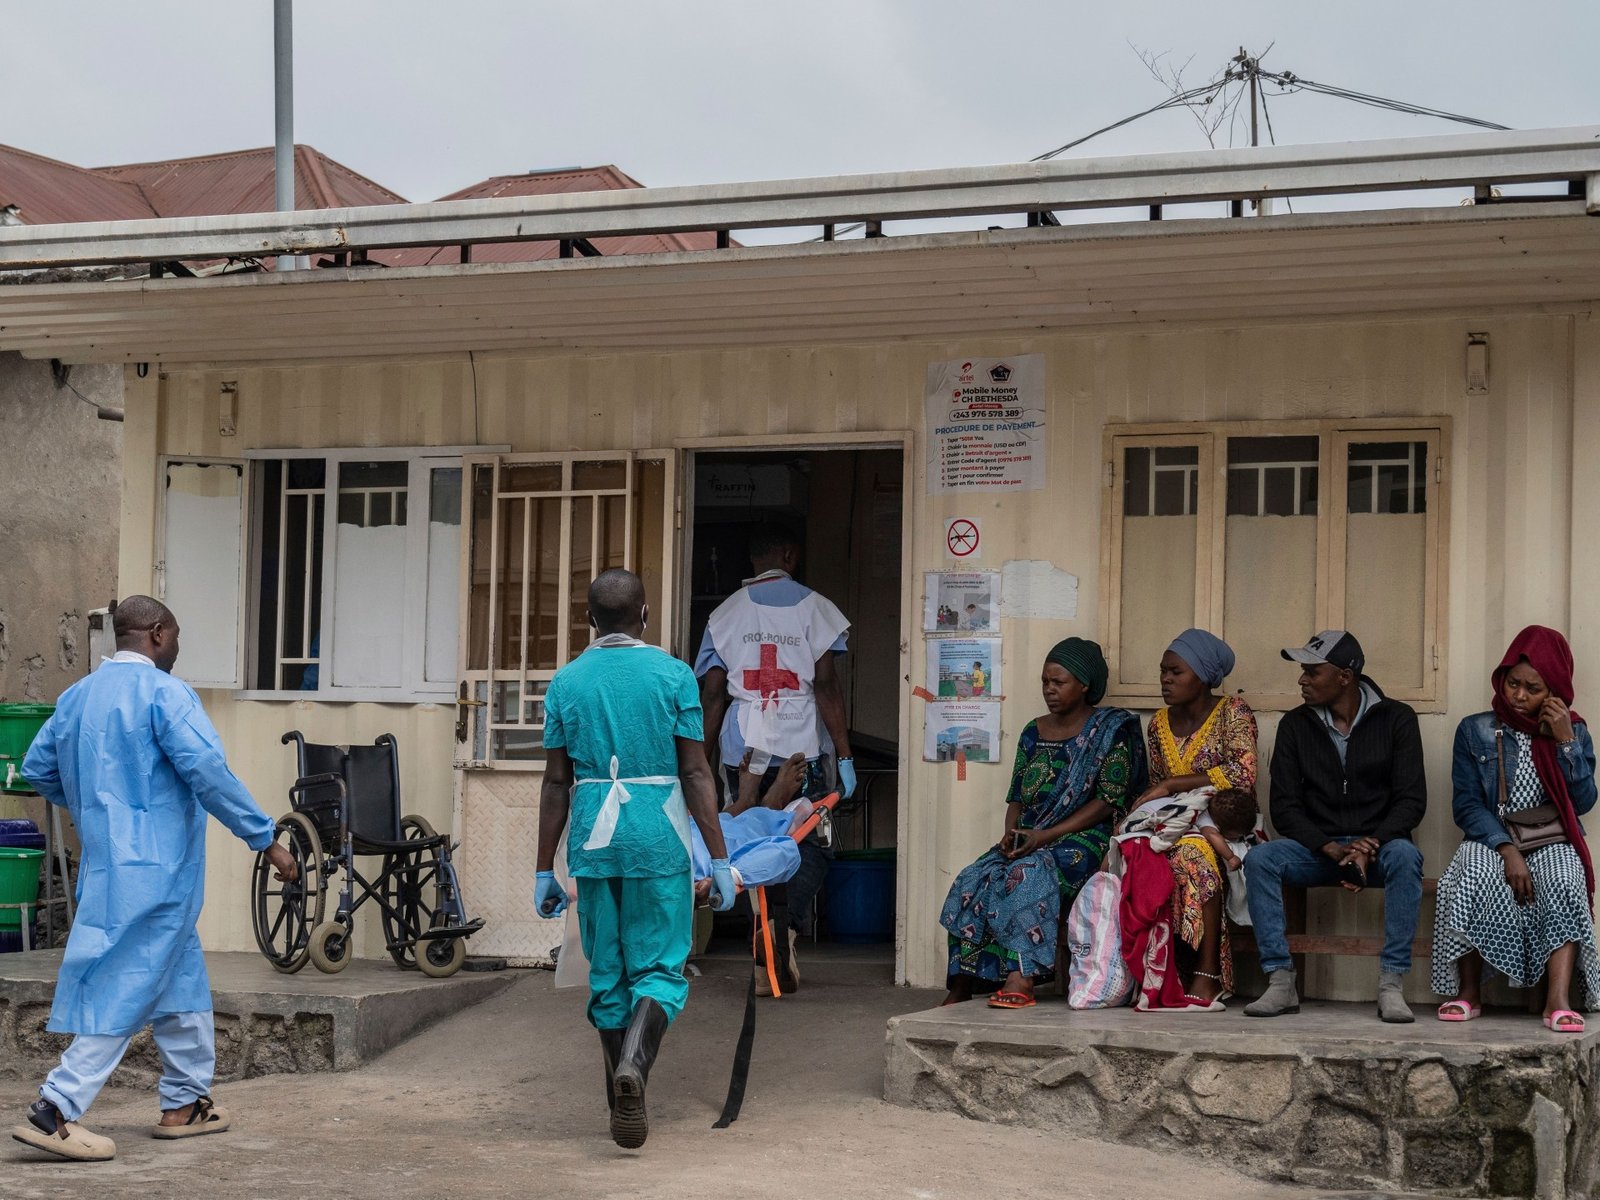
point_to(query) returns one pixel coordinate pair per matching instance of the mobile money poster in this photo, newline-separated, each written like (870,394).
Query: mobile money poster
(986,424)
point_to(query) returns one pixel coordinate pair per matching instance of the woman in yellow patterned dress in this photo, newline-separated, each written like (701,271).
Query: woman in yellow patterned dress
(1200,739)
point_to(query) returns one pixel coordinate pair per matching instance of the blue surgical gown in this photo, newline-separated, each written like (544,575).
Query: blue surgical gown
(132,755)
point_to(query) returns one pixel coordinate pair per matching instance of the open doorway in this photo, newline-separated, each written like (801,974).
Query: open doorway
(846,507)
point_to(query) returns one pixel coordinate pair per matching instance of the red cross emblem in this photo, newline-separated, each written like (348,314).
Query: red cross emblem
(770,678)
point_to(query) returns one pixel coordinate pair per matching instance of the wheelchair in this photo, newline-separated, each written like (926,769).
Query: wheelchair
(346,804)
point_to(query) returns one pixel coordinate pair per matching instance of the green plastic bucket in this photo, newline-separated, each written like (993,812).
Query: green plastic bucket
(19,725)
(19,882)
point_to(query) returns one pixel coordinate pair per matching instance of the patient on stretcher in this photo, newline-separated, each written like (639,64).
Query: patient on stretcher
(757,830)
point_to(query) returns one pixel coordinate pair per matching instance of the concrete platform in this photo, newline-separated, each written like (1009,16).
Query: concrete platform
(1330,1098)
(267,1023)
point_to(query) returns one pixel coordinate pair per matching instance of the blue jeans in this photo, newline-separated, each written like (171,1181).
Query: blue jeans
(1398,871)
(187,1043)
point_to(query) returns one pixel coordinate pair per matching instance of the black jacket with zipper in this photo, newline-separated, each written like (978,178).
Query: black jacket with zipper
(1380,790)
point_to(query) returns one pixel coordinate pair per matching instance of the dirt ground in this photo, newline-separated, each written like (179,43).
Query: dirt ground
(505,1099)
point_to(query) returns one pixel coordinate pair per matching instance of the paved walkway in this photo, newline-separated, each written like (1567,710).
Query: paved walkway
(505,1100)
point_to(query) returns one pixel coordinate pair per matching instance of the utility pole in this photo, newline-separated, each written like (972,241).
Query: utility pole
(1249,69)
(283,114)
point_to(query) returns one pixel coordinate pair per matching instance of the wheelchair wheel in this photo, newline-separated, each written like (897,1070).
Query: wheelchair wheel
(284,914)
(330,947)
(411,890)
(440,957)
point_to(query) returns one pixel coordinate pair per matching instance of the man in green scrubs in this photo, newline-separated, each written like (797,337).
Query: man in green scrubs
(625,761)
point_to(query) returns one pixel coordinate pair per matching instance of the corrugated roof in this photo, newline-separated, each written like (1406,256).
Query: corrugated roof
(548,183)
(48,192)
(242,182)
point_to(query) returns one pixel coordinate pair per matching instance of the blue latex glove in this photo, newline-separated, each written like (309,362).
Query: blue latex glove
(549,898)
(847,778)
(723,892)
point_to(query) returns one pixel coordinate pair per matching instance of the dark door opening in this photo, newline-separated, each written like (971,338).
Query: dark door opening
(846,505)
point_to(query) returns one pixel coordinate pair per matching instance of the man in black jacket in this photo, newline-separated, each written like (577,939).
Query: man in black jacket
(1347,791)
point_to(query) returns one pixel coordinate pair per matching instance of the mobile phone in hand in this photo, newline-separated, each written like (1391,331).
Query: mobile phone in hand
(1351,872)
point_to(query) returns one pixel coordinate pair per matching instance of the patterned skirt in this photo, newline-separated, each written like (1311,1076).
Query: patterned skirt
(1477,911)
(1005,916)
(1198,878)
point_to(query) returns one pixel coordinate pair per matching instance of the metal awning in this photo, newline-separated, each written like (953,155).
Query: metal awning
(1517,253)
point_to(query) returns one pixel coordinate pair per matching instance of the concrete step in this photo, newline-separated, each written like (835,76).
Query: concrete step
(267,1023)
(1331,1097)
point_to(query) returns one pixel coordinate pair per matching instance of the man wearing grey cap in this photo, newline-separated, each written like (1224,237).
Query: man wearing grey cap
(1348,789)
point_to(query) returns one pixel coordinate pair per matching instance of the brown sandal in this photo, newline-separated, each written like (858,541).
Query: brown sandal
(206,1118)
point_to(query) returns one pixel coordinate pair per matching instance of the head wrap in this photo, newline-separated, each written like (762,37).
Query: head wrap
(1208,656)
(1086,663)
(1547,652)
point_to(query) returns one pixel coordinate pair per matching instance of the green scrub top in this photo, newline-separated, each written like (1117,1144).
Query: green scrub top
(632,702)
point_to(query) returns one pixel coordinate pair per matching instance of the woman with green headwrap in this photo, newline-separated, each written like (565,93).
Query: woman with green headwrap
(1076,769)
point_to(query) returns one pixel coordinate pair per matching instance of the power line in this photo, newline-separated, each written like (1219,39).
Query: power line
(1292,82)
(1250,67)
(1170,102)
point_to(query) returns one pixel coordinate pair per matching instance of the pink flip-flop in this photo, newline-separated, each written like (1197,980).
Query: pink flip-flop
(1459,1010)
(1554,1025)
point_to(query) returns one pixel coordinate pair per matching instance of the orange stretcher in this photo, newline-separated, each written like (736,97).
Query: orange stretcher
(761,939)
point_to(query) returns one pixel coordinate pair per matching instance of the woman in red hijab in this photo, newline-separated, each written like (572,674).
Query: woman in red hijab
(1525,913)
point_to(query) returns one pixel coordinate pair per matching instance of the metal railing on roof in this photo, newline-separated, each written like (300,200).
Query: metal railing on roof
(1567,158)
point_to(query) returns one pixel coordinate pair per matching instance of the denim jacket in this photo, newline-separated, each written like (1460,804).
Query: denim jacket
(1475,773)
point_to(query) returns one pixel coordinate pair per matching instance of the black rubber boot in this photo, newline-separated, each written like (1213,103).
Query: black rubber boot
(629,1124)
(611,1047)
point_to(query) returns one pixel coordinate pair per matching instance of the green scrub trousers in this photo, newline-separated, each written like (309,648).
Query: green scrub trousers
(637,934)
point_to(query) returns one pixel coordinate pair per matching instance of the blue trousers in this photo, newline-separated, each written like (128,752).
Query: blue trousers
(637,934)
(187,1043)
(1397,870)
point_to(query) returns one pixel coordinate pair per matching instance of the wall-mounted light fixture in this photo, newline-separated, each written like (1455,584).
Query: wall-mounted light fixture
(1477,364)
(228,423)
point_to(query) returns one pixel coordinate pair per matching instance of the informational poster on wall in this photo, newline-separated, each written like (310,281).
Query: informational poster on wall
(961,602)
(969,729)
(986,424)
(964,668)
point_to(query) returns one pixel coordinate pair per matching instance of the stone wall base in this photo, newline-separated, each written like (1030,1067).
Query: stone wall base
(1329,1098)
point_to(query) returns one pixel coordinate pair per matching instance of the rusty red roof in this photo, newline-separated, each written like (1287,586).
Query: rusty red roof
(45,191)
(48,192)
(548,183)
(242,181)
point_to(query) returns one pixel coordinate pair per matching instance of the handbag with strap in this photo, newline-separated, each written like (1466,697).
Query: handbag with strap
(1533,828)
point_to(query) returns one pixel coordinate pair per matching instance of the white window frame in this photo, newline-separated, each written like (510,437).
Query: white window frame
(163,463)
(415,688)
(1335,439)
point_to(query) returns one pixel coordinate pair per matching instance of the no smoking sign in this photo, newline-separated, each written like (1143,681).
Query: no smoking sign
(962,536)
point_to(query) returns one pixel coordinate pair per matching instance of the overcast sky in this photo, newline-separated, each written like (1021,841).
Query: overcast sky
(429,97)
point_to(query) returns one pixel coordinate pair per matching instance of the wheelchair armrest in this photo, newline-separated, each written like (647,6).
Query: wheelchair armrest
(306,783)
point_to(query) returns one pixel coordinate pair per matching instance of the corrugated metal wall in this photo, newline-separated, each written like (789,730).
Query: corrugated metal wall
(1515,555)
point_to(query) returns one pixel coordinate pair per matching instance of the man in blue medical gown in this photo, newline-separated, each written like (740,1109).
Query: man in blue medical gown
(131,754)
(624,759)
